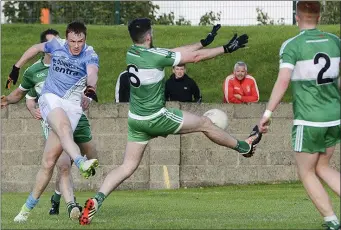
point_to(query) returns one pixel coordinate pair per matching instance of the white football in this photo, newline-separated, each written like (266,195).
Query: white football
(218,117)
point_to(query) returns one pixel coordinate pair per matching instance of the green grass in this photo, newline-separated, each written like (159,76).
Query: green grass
(112,42)
(279,206)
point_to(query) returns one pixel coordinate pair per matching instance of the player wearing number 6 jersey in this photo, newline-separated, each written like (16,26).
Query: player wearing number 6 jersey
(311,61)
(148,117)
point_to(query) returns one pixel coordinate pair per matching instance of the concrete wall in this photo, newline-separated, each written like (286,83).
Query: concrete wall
(191,160)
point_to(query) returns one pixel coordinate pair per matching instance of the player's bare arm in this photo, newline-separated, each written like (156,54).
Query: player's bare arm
(277,94)
(30,53)
(14,97)
(204,54)
(203,42)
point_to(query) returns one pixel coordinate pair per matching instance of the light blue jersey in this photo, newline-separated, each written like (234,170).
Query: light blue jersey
(67,72)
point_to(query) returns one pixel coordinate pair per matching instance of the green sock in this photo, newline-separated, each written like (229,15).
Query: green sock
(69,206)
(242,147)
(100,198)
(56,197)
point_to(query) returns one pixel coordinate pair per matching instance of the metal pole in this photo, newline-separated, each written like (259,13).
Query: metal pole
(117,9)
(293,12)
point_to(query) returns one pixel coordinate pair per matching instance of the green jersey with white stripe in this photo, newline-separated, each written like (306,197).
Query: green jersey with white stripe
(147,82)
(314,57)
(34,78)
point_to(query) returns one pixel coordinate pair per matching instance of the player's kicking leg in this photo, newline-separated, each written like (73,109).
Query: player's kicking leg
(132,158)
(60,124)
(63,117)
(193,123)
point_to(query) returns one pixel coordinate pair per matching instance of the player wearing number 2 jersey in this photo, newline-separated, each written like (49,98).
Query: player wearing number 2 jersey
(311,61)
(148,117)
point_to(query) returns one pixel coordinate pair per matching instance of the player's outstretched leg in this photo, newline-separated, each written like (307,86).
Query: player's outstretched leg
(194,123)
(253,139)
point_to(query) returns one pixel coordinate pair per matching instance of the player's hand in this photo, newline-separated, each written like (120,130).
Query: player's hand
(35,113)
(85,102)
(210,37)
(236,43)
(264,124)
(238,96)
(13,77)
(4,102)
(90,92)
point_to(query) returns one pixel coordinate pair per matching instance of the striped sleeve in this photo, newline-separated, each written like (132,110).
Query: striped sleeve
(165,57)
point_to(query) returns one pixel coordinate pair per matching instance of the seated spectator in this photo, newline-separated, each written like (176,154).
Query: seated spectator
(122,89)
(180,87)
(240,87)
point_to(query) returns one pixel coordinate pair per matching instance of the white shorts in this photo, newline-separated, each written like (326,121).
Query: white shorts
(48,102)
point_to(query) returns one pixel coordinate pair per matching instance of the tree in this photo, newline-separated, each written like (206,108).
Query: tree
(139,9)
(331,12)
(25,12)
(209,18)
(263,18)
(165,19)
(90,12)
(182,21)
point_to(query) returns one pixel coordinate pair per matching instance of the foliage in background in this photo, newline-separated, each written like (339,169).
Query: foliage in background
(331,11)
(92,12)
(209,18)
(264,19)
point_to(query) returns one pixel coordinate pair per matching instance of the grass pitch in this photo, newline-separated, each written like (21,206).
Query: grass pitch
(279,206)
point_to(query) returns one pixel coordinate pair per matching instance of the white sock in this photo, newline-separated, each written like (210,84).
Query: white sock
(57,192)
(331,218)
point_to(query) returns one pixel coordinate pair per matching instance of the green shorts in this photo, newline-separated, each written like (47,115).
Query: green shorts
(82,134)
(314,139)
(142,129)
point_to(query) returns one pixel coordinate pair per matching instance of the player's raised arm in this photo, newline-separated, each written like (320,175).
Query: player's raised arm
(204,54)
(203,42)
(30,53)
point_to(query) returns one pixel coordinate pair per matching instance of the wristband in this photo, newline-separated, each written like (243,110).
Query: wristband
(267,113)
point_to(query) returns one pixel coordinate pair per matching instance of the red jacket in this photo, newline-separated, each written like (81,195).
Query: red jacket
(247,88)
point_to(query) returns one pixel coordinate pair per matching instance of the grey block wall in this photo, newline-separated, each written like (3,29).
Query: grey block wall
(172,162)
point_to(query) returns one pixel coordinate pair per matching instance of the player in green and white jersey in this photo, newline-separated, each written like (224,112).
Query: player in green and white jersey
(311,62)
(31,85)
(148,117)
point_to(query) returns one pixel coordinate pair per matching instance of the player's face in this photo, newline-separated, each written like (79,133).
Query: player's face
(179,71)
(149,38)
(76,42)
(240,72)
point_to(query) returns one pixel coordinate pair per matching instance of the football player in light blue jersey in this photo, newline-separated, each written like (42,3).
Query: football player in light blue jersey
(74,67)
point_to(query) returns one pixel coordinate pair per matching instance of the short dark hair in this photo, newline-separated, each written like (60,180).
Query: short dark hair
(47,32)
(138,28)
(76,27)
(180,65)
